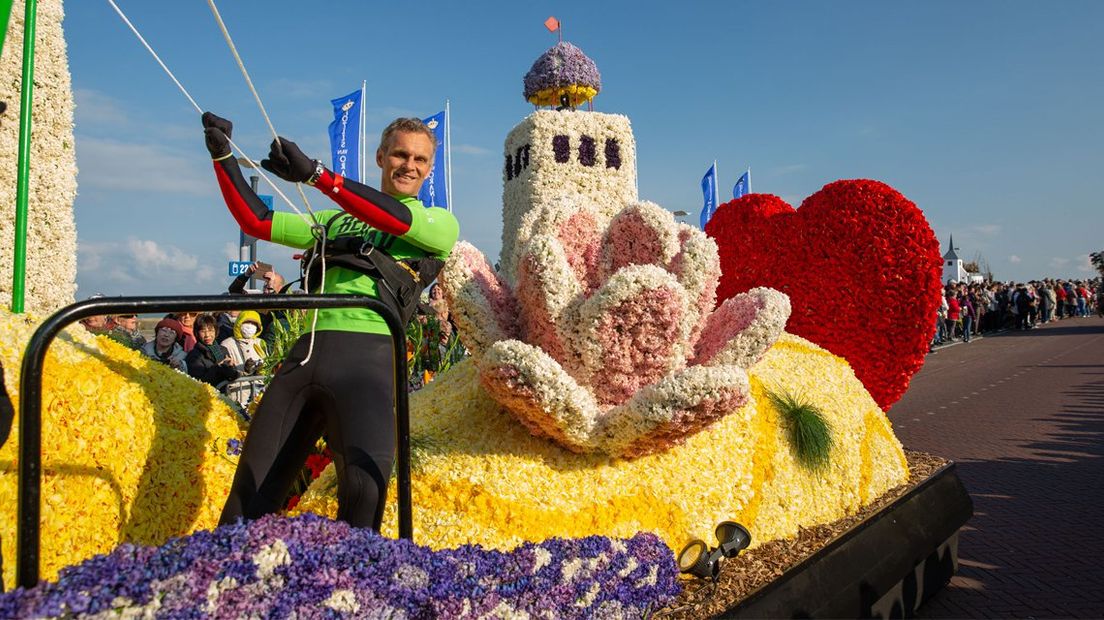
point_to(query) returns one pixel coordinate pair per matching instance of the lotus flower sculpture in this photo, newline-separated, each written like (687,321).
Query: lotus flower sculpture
(607,340)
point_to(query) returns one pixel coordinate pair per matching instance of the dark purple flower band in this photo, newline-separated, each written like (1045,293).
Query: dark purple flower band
(309,566)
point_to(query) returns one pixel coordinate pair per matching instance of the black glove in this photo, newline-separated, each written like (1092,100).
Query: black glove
(216,131)
(286,161)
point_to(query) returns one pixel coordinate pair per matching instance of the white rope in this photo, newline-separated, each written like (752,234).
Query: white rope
(200,110)
(256,95)
(155,56)
(320,245)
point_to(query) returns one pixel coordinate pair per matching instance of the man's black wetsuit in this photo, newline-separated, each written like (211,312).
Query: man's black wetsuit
(347,388)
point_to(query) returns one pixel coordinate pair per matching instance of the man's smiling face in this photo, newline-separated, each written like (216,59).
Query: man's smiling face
(405,163)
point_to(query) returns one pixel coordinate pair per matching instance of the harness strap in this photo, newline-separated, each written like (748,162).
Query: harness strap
(399,282)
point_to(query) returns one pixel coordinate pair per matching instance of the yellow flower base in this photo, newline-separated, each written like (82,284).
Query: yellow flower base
(135,451)
(131,449)
(577,95)
(481,478)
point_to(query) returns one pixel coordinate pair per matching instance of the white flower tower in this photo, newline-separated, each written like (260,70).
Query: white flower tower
(564,154)
(51,233)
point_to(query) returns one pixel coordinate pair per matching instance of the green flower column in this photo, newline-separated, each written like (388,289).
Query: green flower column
(51,263)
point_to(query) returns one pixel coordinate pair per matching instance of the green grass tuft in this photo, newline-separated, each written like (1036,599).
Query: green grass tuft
(809,432)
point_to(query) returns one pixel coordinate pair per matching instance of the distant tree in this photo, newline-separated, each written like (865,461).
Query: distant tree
(979,266)
(1097,259)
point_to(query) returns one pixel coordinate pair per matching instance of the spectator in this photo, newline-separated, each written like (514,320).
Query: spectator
(226,322)
(953,314)
(246,348)
(126,331)
(187,322)
(1082,300)
(941,334)
(966,311)
(1049,300)
(273,285)
(1060,296)
(209,361)
(164,346)
(1071,300)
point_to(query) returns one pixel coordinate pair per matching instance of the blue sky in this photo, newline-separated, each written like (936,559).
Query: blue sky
(988,115)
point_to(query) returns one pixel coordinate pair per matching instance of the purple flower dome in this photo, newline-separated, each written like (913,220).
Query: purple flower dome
(562,70)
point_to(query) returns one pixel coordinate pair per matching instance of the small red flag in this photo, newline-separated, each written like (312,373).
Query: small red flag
(552,24)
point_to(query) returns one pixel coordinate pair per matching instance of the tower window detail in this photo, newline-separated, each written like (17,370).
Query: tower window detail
(561,148)
(587,151)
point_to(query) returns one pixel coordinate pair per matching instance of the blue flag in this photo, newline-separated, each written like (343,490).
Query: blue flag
(435,189)
(345,135)
(743,186)
(709,191)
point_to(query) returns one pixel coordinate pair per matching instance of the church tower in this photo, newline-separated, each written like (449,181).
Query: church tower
(952,265)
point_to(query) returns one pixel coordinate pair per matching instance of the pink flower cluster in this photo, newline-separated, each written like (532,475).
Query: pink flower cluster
(607,341)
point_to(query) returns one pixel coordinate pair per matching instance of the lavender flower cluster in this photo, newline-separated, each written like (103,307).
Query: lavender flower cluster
(311,567)
(562,65)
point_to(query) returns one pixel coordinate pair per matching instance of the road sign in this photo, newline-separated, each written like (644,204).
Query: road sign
(238,267)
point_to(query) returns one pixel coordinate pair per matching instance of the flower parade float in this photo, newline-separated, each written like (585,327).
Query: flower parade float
(614,407)
(610,391)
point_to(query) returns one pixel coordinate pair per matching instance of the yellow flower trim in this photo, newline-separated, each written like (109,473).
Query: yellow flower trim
(578,94)
(131,449)
(484,479)
(877,430)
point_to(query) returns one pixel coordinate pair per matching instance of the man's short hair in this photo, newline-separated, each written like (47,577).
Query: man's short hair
(409,125)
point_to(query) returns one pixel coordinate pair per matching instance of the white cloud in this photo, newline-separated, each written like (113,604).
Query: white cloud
(96,112)
(986,230)
(134,260)
(470,149)
(1084,264)
(113,165)
(788,169)
(151,254)
(95,108)
(1058,263)
(302,88)
(1015,260)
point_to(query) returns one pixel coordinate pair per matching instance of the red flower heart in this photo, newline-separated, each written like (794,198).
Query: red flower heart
(860,264)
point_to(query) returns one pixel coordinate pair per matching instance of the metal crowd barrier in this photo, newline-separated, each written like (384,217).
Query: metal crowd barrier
(30,393)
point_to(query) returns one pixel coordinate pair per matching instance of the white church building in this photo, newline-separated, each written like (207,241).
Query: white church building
(953,271)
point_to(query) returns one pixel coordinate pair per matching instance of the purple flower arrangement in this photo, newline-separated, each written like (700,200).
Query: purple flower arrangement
(311,567)
(562,65)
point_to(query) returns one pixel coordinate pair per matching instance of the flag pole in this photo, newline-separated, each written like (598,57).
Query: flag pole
(362,143)
(749,179)
(716,186)
(448,155)
(23,163)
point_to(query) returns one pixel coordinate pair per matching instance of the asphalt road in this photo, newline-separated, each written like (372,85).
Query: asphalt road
(1022,413)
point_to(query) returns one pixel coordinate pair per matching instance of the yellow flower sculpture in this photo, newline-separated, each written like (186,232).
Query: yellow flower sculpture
(131,449)
(481,477)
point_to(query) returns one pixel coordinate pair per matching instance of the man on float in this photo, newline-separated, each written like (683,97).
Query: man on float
(346,388)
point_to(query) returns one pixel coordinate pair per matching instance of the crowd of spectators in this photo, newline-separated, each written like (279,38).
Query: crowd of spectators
(228,349)
(968,310)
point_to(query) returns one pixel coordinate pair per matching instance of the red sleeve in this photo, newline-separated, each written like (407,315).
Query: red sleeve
(367,204)
(254,217)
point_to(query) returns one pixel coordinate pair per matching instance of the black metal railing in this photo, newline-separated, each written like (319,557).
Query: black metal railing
(30,393)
